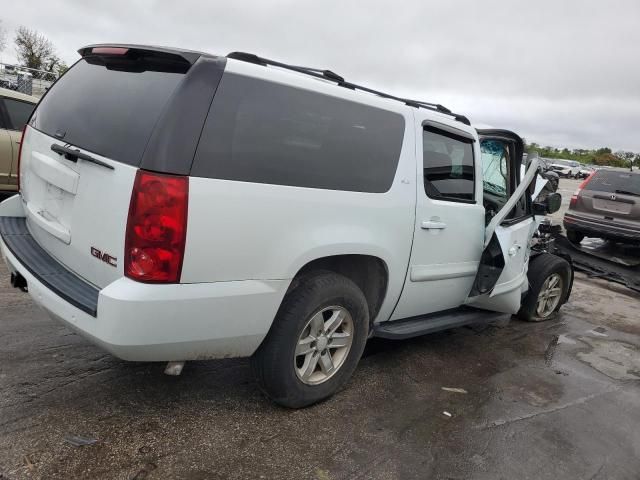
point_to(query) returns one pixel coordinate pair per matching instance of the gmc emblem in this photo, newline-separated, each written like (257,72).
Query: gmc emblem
(105,257)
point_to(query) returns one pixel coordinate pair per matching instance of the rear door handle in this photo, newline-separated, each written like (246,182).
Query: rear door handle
(434,225)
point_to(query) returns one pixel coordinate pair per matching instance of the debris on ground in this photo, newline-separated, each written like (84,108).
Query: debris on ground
(447,414)
(596,266)
(454,390)
(562,338)
(77,441)
(551,350)
(28,463)
(597,333)
(322,474)
(144,472)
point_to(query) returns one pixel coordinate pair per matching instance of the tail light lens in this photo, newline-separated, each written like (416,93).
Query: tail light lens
(24,130)
(576,194)
(109,50)
(156,228)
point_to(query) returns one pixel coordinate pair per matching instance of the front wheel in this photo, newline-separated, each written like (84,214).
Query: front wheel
(315,342)
(549,282)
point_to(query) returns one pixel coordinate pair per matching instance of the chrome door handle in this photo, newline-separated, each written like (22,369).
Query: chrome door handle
(434,225)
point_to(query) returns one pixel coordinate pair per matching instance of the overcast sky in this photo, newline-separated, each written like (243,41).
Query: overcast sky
(562,73)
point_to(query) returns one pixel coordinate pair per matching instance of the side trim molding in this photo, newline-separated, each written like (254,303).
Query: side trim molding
(443,271)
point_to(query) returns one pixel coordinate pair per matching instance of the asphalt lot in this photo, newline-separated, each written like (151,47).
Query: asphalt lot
(559,399)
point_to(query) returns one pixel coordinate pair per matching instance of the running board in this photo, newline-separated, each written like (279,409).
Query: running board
(433,322)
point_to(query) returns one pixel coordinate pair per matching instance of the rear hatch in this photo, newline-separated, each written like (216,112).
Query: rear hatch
(104,111)
(611,195)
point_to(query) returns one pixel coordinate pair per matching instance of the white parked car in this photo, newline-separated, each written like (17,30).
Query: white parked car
(176,205)
(566,168)
(585,171)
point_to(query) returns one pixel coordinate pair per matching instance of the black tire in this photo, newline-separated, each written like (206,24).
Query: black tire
(273,362)
(575,237)
(542,267)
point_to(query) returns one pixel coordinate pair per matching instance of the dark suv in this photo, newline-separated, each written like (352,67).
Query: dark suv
(606,205)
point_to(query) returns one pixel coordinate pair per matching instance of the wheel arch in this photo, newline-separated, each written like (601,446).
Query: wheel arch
(369,272)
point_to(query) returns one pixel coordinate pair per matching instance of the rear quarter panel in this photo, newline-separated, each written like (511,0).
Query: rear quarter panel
(242,230)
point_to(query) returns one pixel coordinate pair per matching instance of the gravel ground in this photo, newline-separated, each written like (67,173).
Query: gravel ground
(559,399)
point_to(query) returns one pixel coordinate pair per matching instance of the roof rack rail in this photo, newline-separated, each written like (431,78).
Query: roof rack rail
(340,81)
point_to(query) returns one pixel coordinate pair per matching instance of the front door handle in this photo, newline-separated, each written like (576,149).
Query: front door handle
(434,225)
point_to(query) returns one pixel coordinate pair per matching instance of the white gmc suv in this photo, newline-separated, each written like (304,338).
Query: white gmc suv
(176,205)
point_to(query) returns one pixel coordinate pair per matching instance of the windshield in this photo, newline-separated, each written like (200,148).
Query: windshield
(494,167)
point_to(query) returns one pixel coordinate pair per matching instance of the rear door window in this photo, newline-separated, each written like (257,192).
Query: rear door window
(264,132)
(18,112)
(448,166)
(109,107)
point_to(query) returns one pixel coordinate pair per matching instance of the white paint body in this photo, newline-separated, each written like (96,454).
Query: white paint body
(246,242)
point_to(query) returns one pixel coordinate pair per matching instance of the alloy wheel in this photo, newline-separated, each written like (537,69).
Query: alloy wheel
(323,345)
(549,296)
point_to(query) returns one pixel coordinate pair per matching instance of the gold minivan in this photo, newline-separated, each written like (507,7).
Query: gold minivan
(15,109)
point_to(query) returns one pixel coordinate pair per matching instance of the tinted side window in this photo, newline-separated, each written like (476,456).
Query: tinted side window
(448,166)
(18,112)
(263,132)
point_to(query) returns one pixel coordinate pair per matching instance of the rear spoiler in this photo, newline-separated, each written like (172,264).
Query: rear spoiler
(189,56)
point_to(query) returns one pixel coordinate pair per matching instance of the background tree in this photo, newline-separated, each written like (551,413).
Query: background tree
(36,51)
(627,158)
(600,156)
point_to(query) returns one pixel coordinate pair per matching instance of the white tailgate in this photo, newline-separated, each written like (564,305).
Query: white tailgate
(72,207)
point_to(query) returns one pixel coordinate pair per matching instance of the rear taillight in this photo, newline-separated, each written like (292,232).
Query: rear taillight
(24,130)
(156,228)
(574,197)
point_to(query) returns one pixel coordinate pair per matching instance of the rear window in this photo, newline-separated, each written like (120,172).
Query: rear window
(263,132)
(615,182)
(109,107)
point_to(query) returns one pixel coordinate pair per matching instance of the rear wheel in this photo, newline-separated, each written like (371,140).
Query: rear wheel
(549,280)
(315,342)
(575,237)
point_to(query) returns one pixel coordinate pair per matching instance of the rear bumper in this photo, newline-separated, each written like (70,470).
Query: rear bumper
(136,321)
(601,228)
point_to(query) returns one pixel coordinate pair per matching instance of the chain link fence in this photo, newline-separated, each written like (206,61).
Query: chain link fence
(26,80)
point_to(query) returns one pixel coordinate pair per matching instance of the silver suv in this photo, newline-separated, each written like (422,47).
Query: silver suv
(606,205)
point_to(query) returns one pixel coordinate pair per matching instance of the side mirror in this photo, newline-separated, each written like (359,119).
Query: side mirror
(551,204)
